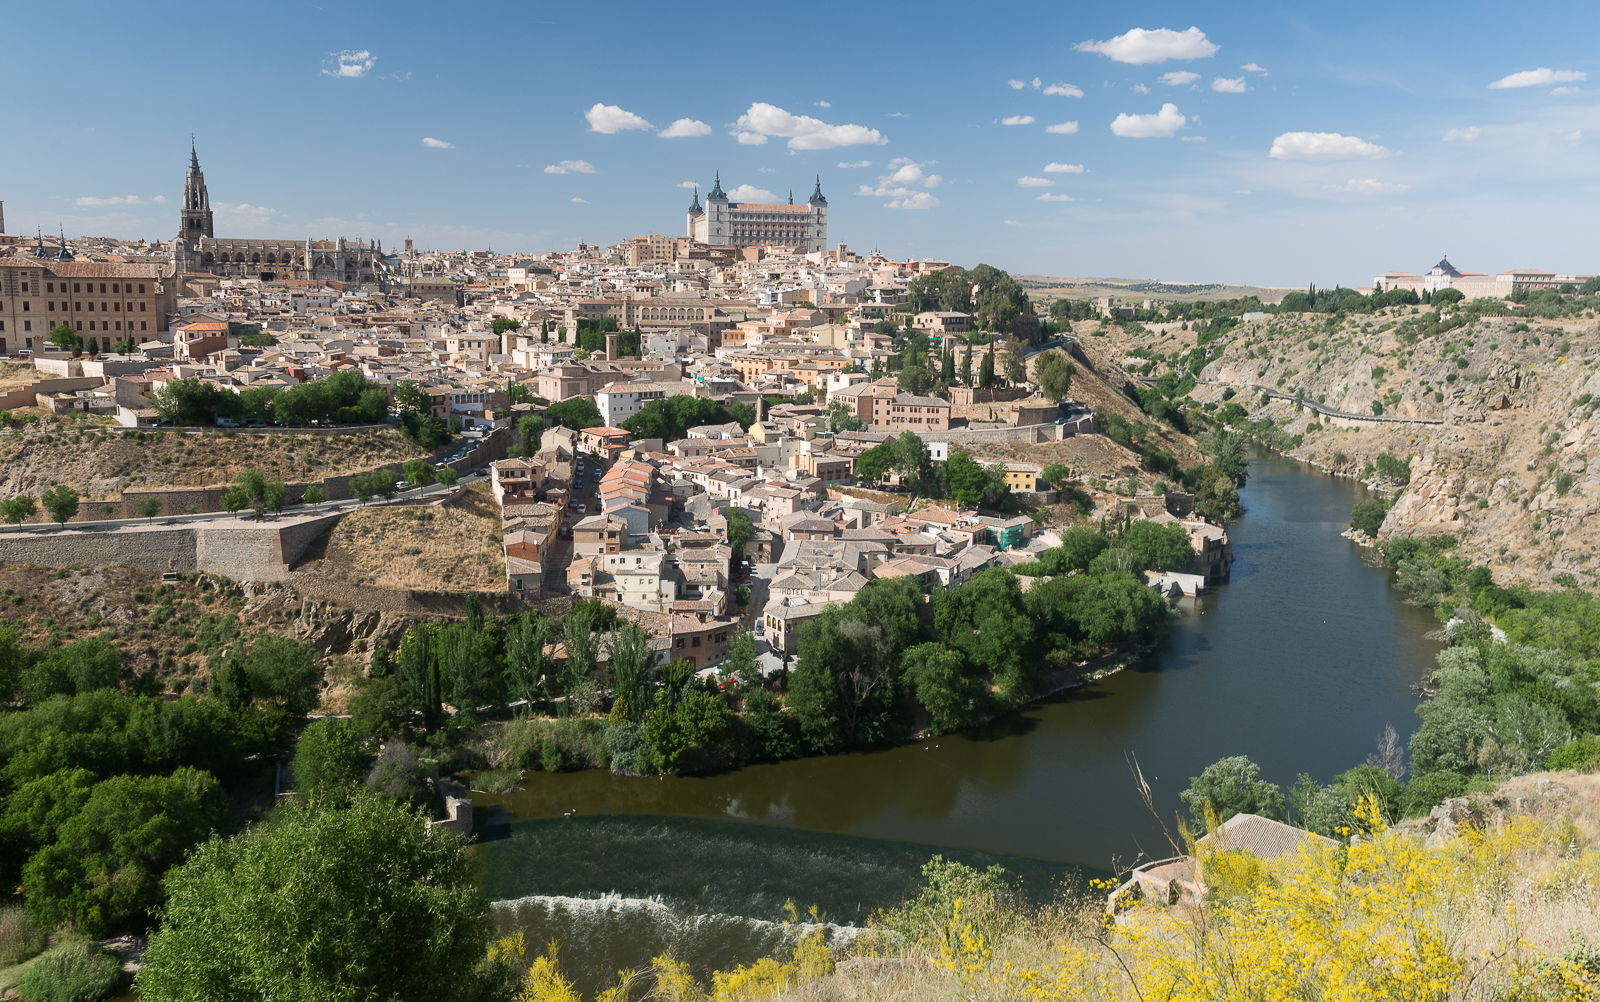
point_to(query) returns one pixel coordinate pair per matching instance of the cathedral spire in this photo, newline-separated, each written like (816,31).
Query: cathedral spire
(716,190)
(194,158)
(694,206)
(816,193)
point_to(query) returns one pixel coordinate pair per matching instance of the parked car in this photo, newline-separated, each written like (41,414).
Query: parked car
(401,485)
(579,508)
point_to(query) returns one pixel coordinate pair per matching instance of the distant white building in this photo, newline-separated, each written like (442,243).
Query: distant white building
(721,223)
(1473,284)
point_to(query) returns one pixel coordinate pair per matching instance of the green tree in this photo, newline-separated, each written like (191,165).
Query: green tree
(743,663)
(61,502)
(64,337)
(1054,474)
(694,735)
(986,369)
(331,760)
(840,418)
(1159,546)
(447,476)
(104,869)
(1054,372)
(82,666)
(148,507)
(578,413)
(1217,499)
(71,972)
(410,399)
(503,324)
(939,678)
(529,429)
(313,494)
(18,509)
(1367,515)
(274,914)
(875,462)
(1227,451)
(740,529)
(1232,786)
(417,472)
(271,685)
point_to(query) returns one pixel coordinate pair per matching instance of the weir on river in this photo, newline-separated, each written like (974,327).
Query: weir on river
(1298,662)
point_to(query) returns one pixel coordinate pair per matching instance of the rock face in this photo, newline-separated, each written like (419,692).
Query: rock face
(333,629)
(1508,473)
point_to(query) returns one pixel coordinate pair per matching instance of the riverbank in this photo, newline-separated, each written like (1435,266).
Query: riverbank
(1298,664)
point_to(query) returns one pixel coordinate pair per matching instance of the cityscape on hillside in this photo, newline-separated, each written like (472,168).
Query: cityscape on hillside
(542,514)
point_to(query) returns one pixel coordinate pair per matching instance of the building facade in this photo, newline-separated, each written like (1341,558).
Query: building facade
(106,304)
(721,223)
(197,249)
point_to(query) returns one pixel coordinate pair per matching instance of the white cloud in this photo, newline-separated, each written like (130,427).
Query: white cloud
(99,202)
(1465,134)
(570,167)
(1052,196)
(1163,123)
(686,185)
(1062,128)
(159,200)
(1030,181)
(1016,84)
(1255,68)
(1323,146)
(802,131)
(1011,222)
(348,63)
(896,114)
(1140,88)
(852,164)
(1370,186)
(1055,168)
(245,213)
(1573,136)
(1193,139)
(767,170)
(1229,85)
(1544,76)
(1140,46)
(1562,91)
(684,128)
(824,104)
(750,193)
(575,200)
(1063,90)
(1036,83)
(750,138)
(901,183)
(610,119)
(437,144)
(1178,78)
(1018,120)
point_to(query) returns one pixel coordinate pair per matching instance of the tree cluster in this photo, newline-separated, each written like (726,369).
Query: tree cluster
(670,418)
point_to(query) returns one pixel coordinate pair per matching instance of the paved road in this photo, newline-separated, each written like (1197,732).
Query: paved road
(1311,404)
(411,496)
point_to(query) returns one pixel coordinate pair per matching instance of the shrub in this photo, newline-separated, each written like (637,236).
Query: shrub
(1581,754)
(1367,516)
(73,973)
(20,939)
(1429,790)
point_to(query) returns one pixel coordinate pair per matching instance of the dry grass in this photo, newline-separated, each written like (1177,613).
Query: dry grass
(99,462)
(454,547)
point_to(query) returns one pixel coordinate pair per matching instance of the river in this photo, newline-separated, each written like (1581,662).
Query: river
(1298,662)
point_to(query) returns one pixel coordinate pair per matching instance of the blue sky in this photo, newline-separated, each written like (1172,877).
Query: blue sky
(1314,145)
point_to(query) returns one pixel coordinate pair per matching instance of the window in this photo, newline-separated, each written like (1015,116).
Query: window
(75,287)
(50,307)
(24,286)
(49,286)
(141,288)
(25,308)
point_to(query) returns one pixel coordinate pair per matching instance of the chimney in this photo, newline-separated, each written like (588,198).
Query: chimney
(2,215)
(611,346)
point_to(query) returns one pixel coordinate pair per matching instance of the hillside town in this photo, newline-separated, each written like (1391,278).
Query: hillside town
(718,430)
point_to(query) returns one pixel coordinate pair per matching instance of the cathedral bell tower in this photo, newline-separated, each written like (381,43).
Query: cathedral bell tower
(194,221)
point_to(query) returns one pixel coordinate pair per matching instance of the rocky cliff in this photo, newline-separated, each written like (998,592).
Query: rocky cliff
(1508,470)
